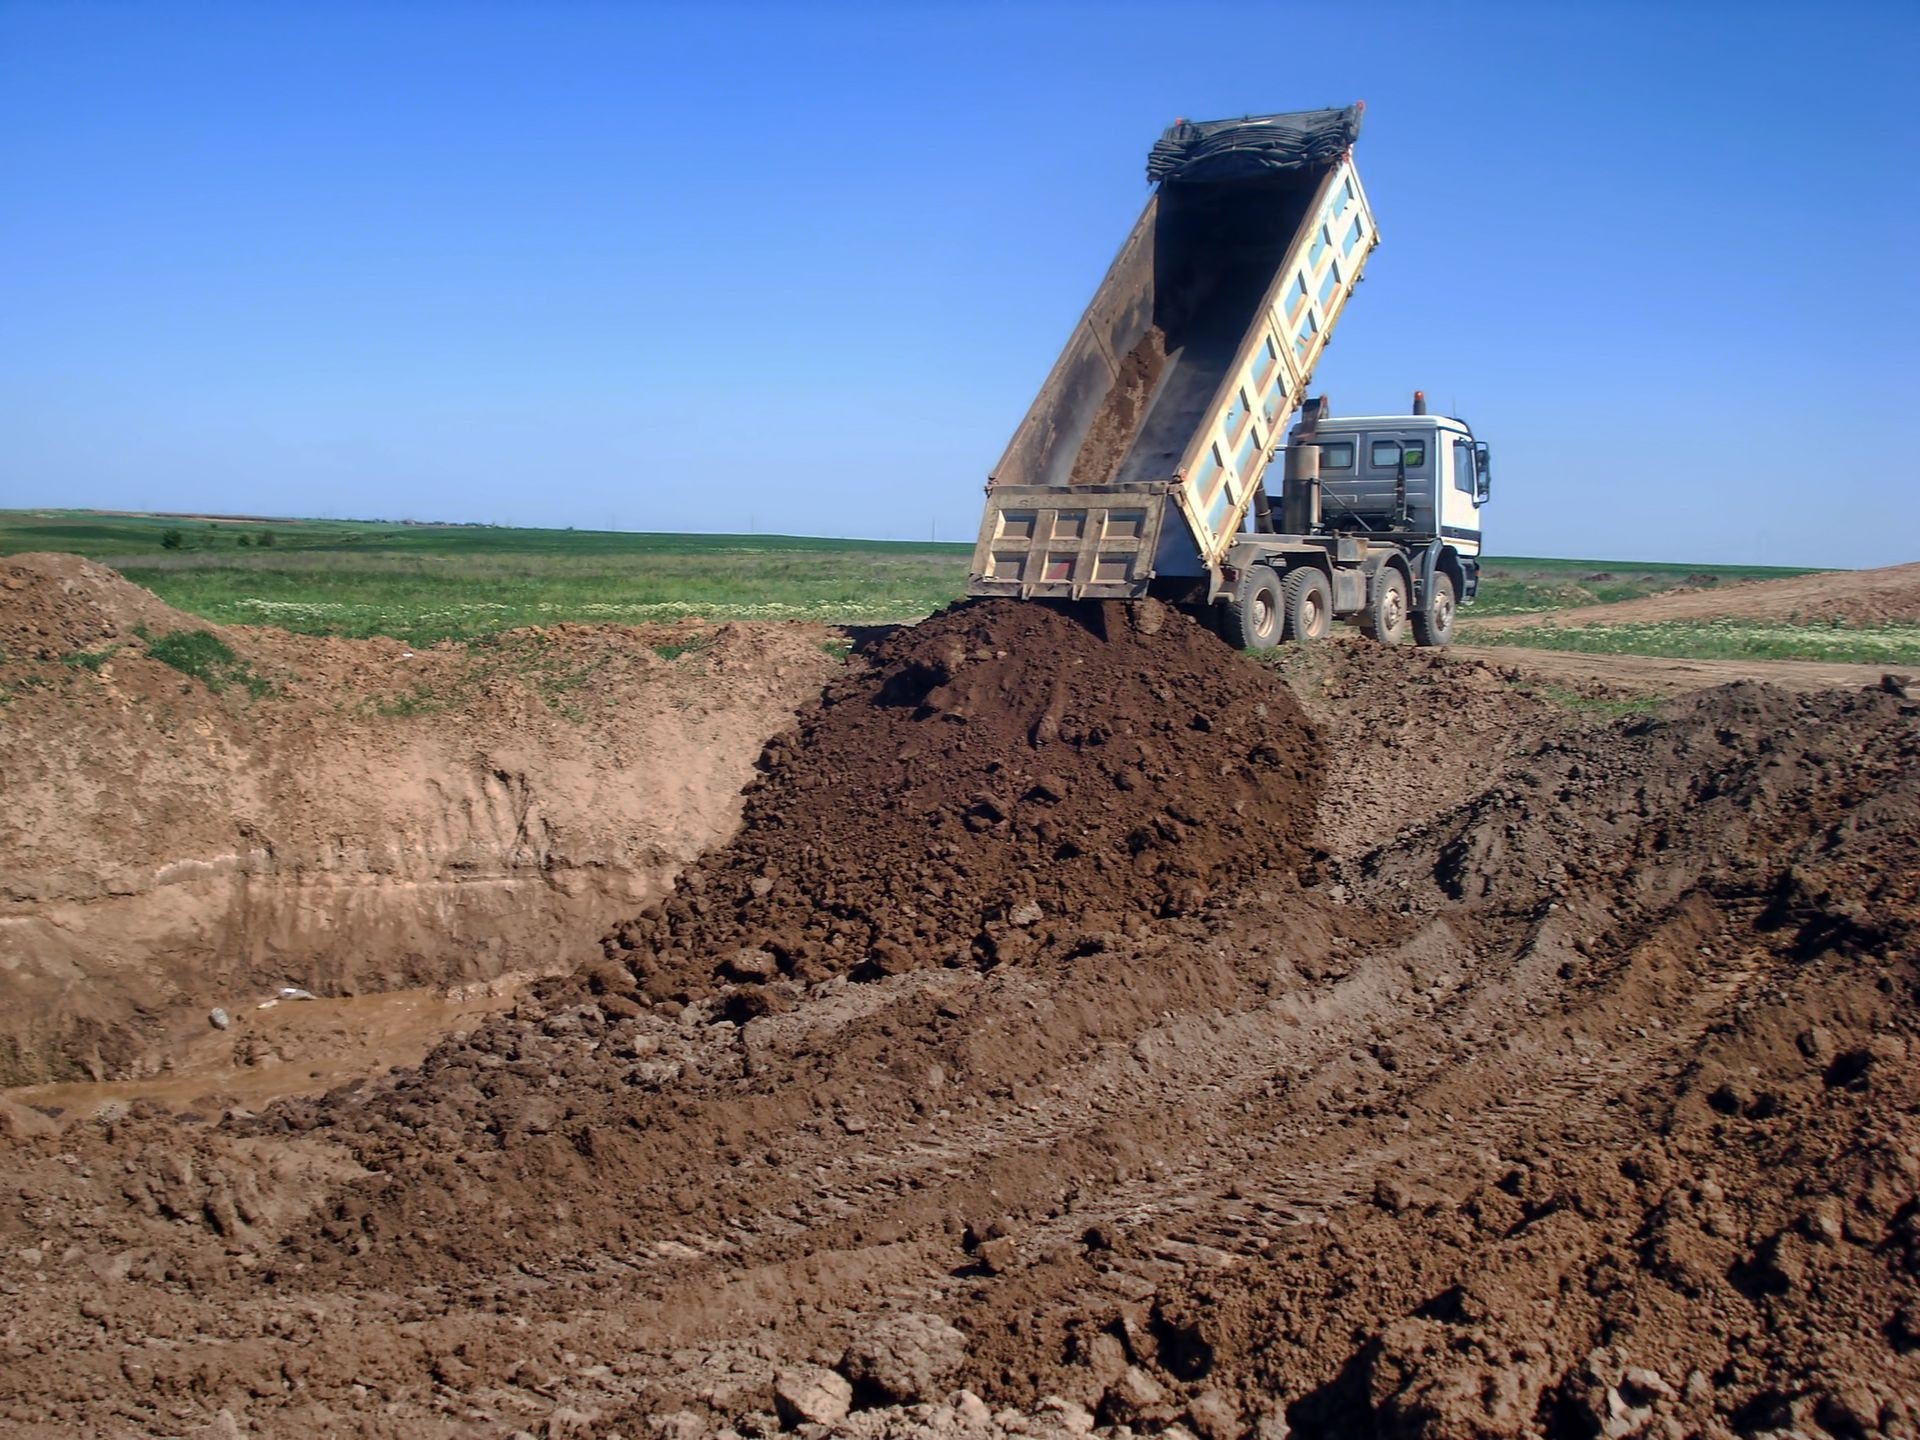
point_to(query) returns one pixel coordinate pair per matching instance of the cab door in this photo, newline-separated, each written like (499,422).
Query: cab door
(1459,495)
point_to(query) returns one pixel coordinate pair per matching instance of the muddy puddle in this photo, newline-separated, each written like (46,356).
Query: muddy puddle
(270,1048)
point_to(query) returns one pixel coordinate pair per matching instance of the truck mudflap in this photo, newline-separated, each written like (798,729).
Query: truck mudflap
(1091,542)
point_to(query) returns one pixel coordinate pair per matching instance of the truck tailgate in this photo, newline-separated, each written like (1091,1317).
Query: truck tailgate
(1087,542)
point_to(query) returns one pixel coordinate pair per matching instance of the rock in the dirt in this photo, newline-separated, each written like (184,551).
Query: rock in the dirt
(905,1357)
(218,1018)
(1214,1416)
(1105,1356)
(1132,1396)
(970,1409)
(811,1395)
(997,1257)
(752,965)
(23,1122)
(1072,1416)
(680,1425)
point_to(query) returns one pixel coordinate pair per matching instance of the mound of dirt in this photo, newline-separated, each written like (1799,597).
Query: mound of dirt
(54,605)
(1001,772)
(1582,1104)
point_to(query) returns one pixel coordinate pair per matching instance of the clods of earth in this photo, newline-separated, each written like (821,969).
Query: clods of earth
(1091,1029)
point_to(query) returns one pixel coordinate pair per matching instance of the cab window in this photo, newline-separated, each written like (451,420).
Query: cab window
(1463,467)
(1336,455)
(1386,454)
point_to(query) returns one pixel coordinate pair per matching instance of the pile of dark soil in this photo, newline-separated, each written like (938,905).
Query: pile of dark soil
(1001,774)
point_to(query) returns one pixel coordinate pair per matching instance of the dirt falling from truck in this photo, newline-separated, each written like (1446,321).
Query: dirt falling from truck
(1117,422)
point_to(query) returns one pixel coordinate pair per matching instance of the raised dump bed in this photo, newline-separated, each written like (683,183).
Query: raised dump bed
(1147,444)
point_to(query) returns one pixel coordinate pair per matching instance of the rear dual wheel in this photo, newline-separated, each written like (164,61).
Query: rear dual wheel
(1309,604)
(1265,609)
(1254,618)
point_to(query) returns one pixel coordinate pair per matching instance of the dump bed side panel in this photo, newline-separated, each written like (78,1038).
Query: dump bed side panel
(1229,450)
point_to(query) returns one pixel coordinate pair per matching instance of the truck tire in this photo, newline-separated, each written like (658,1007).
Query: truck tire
(1255,617)
(1386,617)
(1309,604)
(1433,621)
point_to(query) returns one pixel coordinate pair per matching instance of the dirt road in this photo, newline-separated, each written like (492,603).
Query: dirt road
(1663,675)
(1089,1027)
(1889,593)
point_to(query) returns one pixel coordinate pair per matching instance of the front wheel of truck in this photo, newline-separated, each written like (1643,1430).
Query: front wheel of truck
(1255,616)
(1386,617)
(1433,622)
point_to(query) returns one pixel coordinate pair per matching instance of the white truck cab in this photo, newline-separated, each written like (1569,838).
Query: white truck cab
(1412,473)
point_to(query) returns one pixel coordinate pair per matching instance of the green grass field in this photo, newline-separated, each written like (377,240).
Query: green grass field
(422,583)
(1722,639)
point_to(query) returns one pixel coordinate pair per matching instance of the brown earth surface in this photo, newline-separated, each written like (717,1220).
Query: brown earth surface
(377,819)
(1865,597)
(1090,1026)
(1668,675)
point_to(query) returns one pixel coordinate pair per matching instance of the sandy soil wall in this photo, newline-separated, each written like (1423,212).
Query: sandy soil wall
(375,818)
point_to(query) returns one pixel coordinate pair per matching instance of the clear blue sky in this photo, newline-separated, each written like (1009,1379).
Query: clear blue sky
(801,267)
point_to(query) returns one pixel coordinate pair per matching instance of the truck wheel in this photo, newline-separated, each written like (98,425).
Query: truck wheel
(1254,617)
(1386,618)
(1433,622)
(1309,604)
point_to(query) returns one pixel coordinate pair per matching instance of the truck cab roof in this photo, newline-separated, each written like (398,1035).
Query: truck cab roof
(1338,424)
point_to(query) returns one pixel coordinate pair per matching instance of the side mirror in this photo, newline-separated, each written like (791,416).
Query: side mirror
(1483,470)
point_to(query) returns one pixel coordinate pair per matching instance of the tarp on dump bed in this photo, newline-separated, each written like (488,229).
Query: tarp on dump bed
(1213,150)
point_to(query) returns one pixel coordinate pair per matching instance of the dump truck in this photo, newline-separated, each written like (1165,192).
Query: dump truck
(1141,467)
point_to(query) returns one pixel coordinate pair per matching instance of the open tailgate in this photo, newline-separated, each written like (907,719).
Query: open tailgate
(1091,542)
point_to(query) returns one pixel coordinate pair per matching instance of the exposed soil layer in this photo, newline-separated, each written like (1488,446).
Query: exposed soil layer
(1118,420)
(345,816)
(1581,1102)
